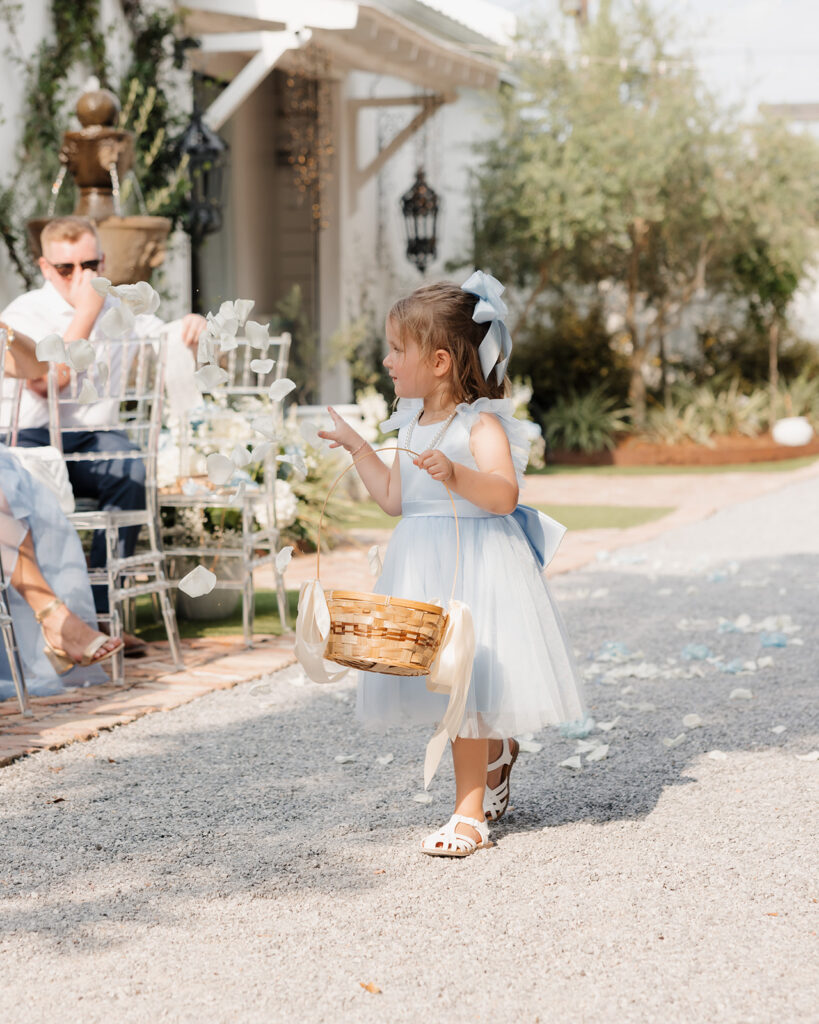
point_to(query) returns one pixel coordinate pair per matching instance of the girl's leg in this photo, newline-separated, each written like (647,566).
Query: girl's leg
(470,760)
(61,627)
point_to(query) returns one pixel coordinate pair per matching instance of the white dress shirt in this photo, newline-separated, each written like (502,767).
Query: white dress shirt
(44,311)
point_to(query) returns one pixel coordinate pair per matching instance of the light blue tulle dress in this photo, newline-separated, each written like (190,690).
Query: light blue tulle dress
(524,675)
(30,504)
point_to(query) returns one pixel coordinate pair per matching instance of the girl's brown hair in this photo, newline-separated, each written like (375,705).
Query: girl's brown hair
(439,316)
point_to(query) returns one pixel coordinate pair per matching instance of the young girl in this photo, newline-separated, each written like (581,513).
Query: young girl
(448,370)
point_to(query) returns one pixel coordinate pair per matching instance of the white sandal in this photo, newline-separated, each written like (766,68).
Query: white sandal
(495,801)
(449,843)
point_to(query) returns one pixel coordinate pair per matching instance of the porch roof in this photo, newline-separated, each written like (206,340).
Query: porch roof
(442,45)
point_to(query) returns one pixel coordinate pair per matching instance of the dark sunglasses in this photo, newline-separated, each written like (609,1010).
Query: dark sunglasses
(67,269)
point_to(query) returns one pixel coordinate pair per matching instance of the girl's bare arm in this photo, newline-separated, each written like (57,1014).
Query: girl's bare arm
(383,482)
(493,485)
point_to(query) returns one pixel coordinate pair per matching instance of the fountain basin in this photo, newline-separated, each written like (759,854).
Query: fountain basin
(134,246)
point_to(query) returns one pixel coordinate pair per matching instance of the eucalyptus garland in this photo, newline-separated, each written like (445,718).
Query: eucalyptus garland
(147,110)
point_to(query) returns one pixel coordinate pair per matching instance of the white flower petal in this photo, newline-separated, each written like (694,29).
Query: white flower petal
(692,721)
(259,451)
(296,460)
(584,746)
(81,354)
(224,324)
(765,662)
(257,334)
(530,746)
(571,762)
(717,755)
(812,756)
(598,754)
(242,308)
(374,560)
(740,693)
(238,495)
(117,320)
(280,388)
(88,393)
(220,468)
(51,349)
(139,298)
(608,726)
(264,426)
(198,582)
(101,285)
(262,365)
(345,758)
(423,798)
(386,759)
(778,729)
(240,455)
(675,742)
(283,558)
(210,377)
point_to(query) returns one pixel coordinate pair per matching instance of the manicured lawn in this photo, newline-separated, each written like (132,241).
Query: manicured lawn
(596,517)
(367,515)
(779,466)
(266,621)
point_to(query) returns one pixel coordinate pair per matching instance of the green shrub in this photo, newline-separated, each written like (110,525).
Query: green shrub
(584,423)
(565,351)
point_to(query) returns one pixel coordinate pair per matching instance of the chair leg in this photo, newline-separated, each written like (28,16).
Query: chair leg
(281,599)
(171,628)
(16,666)
(118,660)
(248,606)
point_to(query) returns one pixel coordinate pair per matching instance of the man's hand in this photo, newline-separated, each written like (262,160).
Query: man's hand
(83,297)
(39,385)
(192,326)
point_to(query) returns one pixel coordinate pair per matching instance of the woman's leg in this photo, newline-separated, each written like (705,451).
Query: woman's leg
(61,627)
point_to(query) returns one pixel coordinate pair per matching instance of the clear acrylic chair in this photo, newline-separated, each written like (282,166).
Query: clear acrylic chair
(260,538)
(130,393)
(7,434)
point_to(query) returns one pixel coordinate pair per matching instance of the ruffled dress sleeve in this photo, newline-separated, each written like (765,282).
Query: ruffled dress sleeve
(404,412)
(520,433)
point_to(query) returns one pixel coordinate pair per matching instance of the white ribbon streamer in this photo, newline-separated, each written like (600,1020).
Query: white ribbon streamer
(312,633)
(451,673)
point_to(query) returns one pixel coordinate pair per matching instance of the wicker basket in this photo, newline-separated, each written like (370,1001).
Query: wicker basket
(379,633)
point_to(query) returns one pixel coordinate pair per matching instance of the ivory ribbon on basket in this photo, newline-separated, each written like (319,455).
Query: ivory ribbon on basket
(312,633)
(449,673)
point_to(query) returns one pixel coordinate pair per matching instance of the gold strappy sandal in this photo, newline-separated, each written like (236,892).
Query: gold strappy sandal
(60,659)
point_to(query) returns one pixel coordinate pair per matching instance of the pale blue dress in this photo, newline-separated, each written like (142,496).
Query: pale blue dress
(524,675)
(27,504)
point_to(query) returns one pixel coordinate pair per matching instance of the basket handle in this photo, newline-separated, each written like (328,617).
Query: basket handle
(366,455)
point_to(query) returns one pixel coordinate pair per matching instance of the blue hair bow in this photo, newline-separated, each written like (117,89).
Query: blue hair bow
(496,347)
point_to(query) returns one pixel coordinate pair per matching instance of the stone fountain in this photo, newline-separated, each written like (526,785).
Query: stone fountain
(98,157)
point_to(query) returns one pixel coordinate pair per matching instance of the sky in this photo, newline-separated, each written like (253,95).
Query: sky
(750,51)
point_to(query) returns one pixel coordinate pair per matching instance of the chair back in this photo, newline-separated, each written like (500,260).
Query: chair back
(9,403)
(127,380)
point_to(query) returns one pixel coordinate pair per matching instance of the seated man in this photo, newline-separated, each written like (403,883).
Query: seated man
(67,305)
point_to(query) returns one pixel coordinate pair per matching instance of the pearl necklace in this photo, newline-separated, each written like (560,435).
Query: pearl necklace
(437,439)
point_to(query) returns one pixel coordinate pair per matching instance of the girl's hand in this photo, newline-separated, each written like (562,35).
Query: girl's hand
(436,464)
(342,434)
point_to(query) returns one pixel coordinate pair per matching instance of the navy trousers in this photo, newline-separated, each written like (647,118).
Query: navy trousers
(115,484)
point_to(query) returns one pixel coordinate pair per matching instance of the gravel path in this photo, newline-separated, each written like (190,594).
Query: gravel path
(217,864)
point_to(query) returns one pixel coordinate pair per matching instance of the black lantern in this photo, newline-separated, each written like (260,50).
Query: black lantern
(206,152)
(420,208)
